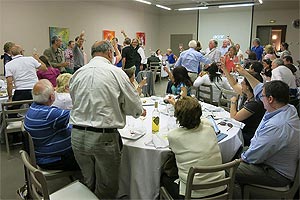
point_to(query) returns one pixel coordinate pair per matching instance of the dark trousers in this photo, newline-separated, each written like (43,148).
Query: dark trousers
(67,163)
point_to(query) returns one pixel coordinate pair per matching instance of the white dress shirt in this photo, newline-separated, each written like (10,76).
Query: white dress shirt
(102,95)
(214,54)
(284,74)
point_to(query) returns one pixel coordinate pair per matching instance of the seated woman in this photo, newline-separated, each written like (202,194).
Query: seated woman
(194,144)
(250,111)
(267,71)
(270,53)
(62,96)
(138,86)
(230,59)
(213,78)
(51,74)
(180,81)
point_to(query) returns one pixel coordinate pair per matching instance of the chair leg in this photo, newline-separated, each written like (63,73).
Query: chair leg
(7,144)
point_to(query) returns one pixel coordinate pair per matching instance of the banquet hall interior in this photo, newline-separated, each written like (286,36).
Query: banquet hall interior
(160,24)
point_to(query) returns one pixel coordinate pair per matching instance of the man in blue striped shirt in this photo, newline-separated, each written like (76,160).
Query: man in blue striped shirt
(50,130)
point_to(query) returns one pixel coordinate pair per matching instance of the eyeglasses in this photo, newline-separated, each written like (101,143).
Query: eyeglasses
(222,123)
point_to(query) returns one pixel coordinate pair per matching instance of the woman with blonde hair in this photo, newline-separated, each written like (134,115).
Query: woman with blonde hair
(269,50)
(62,96)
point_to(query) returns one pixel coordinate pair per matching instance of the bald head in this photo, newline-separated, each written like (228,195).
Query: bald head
(16,50)
(43,92)
(102,48)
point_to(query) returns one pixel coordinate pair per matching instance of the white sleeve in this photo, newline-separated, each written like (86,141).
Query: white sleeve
(276,75)
(142,54)
(199,81)
(35,63)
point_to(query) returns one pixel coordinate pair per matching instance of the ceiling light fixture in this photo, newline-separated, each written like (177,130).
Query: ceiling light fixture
(163,7)
(260,1)
(193,8)
(236,5)
(142,1)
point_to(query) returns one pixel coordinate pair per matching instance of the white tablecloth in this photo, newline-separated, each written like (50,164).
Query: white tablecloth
(141,164)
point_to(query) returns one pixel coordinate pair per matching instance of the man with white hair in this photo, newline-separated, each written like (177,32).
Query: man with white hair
(282,73)
(212,52)
(224,48)
(191,59)
(50,130)
(22,72)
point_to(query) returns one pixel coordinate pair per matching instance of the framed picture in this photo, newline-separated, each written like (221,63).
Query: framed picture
(64,33)
(142,37)
(108,35)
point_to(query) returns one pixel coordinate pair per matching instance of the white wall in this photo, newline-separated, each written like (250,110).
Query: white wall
(282,17)
(27,22)
(176,23)
(235,23)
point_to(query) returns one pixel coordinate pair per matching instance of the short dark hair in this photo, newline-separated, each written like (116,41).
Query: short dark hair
(70,42)
(279,90)
(252,56)
(257,66)
(255,75)
(188,112)
(76,39)
(115,39)
(268,61)
(285,45)
(54,38)
(289,59)
(127,41)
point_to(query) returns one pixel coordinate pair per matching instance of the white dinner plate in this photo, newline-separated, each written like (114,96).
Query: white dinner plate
(125,133)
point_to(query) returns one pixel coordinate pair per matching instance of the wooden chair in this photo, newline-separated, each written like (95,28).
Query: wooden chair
(227,181)
(38,185)
(155,67)
(224,98)
(205,93)
(287,192)
(13,123)
(49,174)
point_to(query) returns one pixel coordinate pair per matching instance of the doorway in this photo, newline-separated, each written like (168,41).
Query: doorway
(180,40)
(273,35)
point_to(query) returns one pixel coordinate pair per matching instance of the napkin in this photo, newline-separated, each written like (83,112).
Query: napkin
(157,141)
(234,122)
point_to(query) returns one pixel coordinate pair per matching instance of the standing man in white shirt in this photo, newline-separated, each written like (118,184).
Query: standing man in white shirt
(102,96)
(22,72)
(212,52)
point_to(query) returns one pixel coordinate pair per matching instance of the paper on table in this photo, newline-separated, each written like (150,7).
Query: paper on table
(157,141)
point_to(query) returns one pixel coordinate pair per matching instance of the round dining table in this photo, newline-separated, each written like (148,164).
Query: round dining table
(144,153)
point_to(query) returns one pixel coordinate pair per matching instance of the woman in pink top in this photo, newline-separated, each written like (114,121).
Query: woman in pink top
(51,74)
(230,59)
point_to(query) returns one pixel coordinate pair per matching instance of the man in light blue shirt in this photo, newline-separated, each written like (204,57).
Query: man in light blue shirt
(273,154)
(190,59)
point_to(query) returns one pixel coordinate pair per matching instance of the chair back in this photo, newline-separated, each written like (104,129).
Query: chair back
(12,117)
(147,89)
(38,184)
(155,67)
(227,181)
(30,147)
(224,98)
(295,185)
(205,93)
(24,105)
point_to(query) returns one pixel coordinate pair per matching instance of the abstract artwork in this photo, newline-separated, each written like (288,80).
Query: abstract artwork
(141,37)
(64,33)
(108,35)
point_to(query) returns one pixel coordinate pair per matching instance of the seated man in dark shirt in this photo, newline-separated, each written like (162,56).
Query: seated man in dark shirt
(152,59)
(50,130)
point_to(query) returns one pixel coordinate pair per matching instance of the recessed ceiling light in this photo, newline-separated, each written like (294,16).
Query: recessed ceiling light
(163,7)
(236,5)
(142,1)
(193,8)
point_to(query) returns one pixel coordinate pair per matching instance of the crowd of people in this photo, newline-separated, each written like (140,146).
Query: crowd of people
(79,105)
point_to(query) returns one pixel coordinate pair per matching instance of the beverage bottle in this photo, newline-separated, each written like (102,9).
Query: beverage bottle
(155,119)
